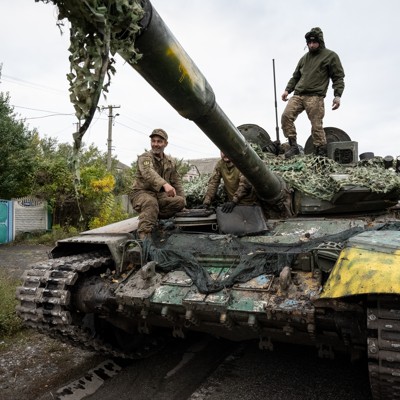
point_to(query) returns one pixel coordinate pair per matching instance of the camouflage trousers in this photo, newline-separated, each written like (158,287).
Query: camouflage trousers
(315,109)
(152,206)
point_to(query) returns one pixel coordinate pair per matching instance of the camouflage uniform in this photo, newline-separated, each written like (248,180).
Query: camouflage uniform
(245,193)
(315,109)
(148,196)
(310,83)
(231,177)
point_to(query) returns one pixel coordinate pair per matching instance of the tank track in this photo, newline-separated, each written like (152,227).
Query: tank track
(45,304)
(383,323)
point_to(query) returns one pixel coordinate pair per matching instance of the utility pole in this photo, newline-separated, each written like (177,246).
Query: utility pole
(109,140)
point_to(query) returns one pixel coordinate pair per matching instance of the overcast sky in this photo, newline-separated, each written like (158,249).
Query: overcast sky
(233,42)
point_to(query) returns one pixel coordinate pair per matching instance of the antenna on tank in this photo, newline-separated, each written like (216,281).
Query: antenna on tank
(276,104)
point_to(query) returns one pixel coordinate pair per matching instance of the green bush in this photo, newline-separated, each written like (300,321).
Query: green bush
(10,323)
(47,238)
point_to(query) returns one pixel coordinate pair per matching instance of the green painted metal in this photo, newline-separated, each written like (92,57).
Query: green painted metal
(6,221)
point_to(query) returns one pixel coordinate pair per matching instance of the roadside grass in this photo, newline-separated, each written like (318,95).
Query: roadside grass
(11,326)
(48,238)
(10,323)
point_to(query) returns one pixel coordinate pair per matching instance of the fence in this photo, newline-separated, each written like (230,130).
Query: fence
(23,215)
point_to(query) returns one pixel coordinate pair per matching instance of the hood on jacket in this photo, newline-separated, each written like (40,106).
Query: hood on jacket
(317,34)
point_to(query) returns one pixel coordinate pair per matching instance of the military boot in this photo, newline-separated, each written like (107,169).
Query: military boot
(321,151)
(293,149)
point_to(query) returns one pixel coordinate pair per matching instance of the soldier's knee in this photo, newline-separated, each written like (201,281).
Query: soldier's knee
(146,204)
(180,202)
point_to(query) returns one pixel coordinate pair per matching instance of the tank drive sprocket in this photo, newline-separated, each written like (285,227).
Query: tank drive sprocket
(46,304)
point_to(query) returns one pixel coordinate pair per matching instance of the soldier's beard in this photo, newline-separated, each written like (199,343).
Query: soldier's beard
(157,151)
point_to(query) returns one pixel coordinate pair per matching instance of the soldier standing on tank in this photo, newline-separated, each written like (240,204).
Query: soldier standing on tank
(157,191)
(310,83)
(230,175)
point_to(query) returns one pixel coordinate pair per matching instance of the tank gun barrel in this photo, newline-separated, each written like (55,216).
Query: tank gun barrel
(171,72)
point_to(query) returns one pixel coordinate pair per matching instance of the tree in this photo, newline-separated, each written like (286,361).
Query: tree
(17,152)
(40,167)
(92,200)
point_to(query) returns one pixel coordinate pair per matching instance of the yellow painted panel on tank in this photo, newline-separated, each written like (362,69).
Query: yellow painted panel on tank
(363,271)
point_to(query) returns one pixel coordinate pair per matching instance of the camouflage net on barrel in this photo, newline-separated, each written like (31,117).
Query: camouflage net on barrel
(99,29)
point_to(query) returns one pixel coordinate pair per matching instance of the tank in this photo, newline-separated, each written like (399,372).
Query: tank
(322,272)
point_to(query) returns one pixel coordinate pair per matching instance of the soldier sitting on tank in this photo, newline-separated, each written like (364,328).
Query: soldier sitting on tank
(157,191)
(230,175)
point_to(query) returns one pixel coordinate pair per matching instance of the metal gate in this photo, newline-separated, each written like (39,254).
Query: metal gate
(6,221)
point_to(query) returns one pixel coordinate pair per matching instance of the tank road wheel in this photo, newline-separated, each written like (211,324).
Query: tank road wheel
(46,305)
(383,323)
(130,345)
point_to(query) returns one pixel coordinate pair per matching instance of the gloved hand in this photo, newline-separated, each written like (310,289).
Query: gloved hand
(336,103)
(203,206)
(228,207)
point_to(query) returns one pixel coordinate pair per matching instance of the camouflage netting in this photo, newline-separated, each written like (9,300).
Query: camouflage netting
(195,190)
(313,175)
(252,259)
(99,29)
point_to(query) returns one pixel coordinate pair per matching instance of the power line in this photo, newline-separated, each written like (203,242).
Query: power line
(53,113)
(34,109)
(46,116)
(23,82)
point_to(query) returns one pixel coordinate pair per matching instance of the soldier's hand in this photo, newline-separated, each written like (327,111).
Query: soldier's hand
(170,190)
(336,103)
(285,95)
(228,207)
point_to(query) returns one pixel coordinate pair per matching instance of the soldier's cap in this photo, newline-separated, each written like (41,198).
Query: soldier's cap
(311,37)
(159,132)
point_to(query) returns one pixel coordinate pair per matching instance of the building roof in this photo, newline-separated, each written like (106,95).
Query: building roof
(122,166)
(204,165)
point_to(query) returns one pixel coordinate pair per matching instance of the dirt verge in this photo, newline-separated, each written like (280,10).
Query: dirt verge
(33,364)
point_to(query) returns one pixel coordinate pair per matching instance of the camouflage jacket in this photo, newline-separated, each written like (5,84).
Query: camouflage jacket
(153,172)
(231,178)
(245,193)
(315,69)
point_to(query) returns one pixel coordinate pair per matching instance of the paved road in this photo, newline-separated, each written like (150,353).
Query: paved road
(212,369)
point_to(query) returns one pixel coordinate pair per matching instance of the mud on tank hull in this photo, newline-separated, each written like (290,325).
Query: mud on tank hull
(323,282)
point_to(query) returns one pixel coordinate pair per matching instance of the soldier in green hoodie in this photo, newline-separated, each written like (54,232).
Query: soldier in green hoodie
(310,83)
